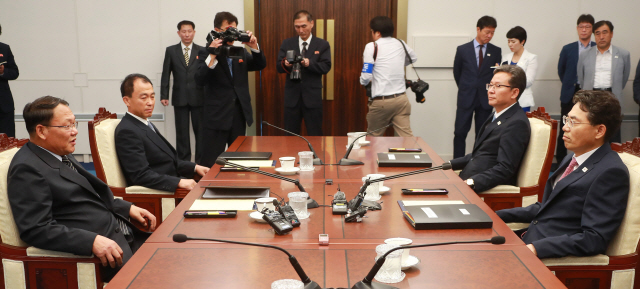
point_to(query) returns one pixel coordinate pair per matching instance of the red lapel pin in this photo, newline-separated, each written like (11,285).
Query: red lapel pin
(240,61)
(317,52)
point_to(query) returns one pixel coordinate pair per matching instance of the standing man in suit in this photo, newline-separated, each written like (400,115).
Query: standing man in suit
(8,71)
(187,97)
(636,92)
(586,198)
(303,98)
(504,136)
(227,103)
(605,66)
(58,205)
(147,159)
(472,71)
(568,73)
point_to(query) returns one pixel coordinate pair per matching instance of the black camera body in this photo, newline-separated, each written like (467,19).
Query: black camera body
(277,221)
(226,50)
(296,69)
(419,87)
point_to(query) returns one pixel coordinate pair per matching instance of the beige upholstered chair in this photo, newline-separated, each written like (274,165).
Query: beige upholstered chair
(105,159)
(618,268)
(29,267)
(534,169)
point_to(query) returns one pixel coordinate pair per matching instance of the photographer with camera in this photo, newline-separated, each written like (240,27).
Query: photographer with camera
(384,62)
(223,71)
(305,58)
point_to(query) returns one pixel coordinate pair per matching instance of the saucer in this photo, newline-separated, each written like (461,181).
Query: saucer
(257,216)
(354,147)
(384,189)
(287,172)
(411,261)
(365,143)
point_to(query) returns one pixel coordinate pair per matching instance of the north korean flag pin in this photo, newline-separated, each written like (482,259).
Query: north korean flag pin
(318,52)
(240,61)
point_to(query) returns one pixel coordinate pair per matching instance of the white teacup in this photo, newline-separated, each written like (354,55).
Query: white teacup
(287,162)
(363,139)
(261,203)
(401,242)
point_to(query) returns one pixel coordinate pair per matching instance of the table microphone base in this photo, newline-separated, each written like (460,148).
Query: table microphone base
(312,285)
(317,162)
(349,162)
(372,285)
(311,204)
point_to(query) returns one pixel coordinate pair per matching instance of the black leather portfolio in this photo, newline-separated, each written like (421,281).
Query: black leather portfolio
(235,192)
(246,155)
(442,217)
(404,160)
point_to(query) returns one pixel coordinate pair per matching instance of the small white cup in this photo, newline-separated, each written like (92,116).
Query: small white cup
(373,190)
(401,242)
(363,139)
(287,162)
(352,136)
(261,203)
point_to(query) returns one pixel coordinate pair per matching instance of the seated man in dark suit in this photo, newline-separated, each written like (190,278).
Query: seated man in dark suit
(503,138)
(58,205)
(146,157)
(586,198)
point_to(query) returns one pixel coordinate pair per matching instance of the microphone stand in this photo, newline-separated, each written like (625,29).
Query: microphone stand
(345,161)
(311,203)
(316,160)
(366,283)
(308,284)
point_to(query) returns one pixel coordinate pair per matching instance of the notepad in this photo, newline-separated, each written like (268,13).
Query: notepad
(254,163)
(222,205)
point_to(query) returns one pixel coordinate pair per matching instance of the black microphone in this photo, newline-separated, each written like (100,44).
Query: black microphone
(345,161)
(366,282)
(316,160)
(311,203)
(308,284)
(357,201)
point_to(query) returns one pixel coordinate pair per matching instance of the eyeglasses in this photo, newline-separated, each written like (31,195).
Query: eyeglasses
(490,85)
(584,27)
(67,127)
(569,121)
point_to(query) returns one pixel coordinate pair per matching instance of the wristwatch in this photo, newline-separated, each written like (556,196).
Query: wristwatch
(470,183)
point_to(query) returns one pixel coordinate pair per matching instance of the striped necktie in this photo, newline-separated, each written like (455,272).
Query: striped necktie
(186,55)
(67,162)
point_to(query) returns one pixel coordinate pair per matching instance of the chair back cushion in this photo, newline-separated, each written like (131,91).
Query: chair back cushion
(531,166)
(106,144)
(628,235)
(8,229)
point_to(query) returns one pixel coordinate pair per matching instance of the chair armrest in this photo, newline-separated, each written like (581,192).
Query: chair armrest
(517,226)
(457,172)
(597,260)
(139,190)
(502,189)
(37,252)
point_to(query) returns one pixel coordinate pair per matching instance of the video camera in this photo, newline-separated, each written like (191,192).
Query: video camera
(296,61)
(226,50)
(419,87)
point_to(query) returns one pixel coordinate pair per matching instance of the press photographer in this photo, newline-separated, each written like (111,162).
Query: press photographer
(224,75)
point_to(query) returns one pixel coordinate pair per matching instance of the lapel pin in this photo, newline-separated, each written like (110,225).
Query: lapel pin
(1,55)
(488,54)
(318,52)
(240,61)
(584,170)
(499,122)
(616,56)
(196,56)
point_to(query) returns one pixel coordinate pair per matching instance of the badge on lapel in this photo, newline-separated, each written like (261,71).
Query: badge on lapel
(616,56)
(499,122)
(1,55)
(584,170)
(488,54)
(196,56)
(240,61)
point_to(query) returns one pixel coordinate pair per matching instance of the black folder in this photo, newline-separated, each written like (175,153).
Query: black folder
(246,155)
(235,192)
(443,217)
(404,160)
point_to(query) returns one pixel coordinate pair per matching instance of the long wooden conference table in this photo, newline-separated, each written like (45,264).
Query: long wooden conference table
(161,263)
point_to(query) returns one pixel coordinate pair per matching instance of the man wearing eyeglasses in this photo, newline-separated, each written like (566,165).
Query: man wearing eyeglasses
(605,66)
(504,136)
(58,205)
(586,198)
(567,71)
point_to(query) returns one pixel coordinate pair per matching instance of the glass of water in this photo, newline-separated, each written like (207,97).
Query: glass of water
(298,202)
(390,271)
(306,161)
(287,284)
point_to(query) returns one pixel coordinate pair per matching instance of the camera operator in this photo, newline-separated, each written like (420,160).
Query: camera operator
(303,94)
(384,62)
(227,103)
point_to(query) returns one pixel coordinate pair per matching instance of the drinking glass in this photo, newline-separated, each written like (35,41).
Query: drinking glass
(306,161)
(298,202)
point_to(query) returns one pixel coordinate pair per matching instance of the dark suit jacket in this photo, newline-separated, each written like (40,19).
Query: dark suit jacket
(221,90)
(147,158)
(582,213)
(56,208)
(185,90)
(309,89)
(472,81)
(10,73)
(497,152)
(636,85)
(568,70)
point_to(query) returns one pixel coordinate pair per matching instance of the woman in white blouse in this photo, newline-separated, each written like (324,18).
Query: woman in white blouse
(516,38)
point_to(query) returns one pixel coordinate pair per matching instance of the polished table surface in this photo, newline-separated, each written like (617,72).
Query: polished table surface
(160,263)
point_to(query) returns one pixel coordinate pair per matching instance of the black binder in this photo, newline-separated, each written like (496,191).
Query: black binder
(246,155)
(235,192)
(443,217)
(404,160)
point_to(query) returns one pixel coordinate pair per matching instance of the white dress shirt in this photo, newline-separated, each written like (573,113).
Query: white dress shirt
(215,62)
(387,71)
(602,78)
(308,41)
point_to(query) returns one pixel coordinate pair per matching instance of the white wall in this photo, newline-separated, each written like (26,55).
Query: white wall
(80,50)
(550,24)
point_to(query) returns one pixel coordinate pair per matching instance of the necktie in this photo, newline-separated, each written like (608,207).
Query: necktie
(480,57)
(186,55)
(304,49)
(66,161)
(570,168)
(151,126)
(229,61)
(494,117)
